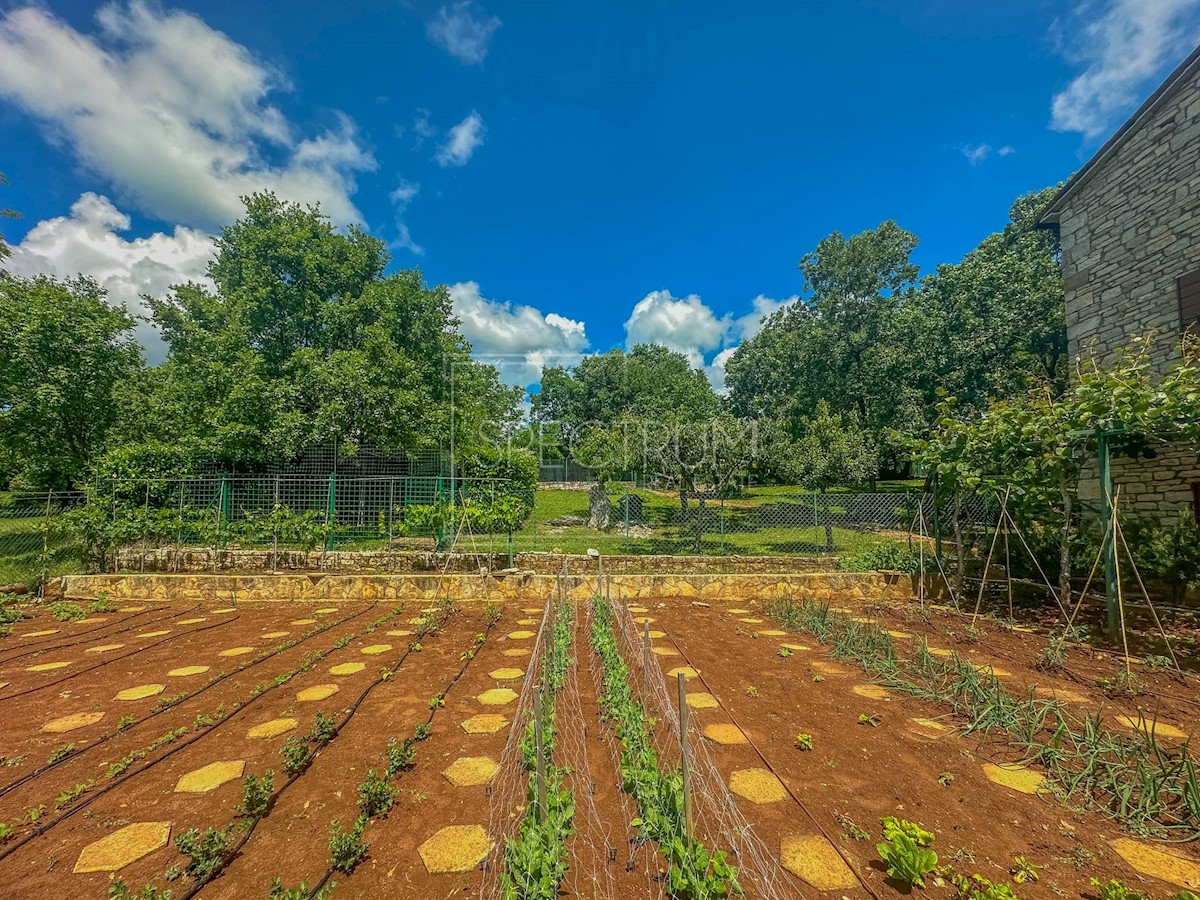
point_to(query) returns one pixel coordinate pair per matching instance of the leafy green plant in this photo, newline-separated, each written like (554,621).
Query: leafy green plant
(5,832)
(303,892)
(35,813)
(803,741)
(119,890)
(871,720)
(850,827)
(785,652)
(375,795)
(347,848)
(102,604)
(65,611)
(207,852)
(124,723)
(1114,890)
(889,557)
(256,795)
(1023,871)
(400,756)
(69,796)
(58,754)
(296,754)
(976,887)
(422,731)
(906,851)
(946,779)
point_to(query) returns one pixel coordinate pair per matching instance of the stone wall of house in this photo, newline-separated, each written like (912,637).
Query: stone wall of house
(1127,234)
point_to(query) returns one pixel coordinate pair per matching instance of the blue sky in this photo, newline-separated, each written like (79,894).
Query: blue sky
(583,174)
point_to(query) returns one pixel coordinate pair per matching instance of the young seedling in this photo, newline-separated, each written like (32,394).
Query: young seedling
(1114,890)
(256,795)
(206,852)
(303,892)
(850,827)
(58,754)
(400,756)
(1023,871)
(785,652)
(946,779)
(102,604)
(347,848)
(119,890)
(905,850)
(817,679)
(375,795)
(69,796)
(872,720)
(804,741)
(752,692)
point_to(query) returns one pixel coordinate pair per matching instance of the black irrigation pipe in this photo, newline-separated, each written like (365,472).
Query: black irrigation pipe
(330,871)
(82,637)
(116,659)
(211,683)
(9,849)
(200,884)
(753,746)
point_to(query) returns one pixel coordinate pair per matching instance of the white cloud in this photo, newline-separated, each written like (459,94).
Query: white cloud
(461,142)
(87,241)
(715,370)
(1124,46)
(976,153)
(518,340)
(463,30)
(685,324)
(401,197)
(174,113)
(1006,150)
(761,308)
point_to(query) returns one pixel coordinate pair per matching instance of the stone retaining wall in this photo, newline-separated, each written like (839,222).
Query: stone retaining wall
(516,587)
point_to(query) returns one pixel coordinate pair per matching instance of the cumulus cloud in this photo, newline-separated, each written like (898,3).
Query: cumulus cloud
(518,340)
(174,113)
(684,324)
(1124,46)
(979,153)
(401,197)
(463,30)
(461,142)
(88,241)
(761,309)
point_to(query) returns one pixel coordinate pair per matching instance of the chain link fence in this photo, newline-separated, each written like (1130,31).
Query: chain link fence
(35,543)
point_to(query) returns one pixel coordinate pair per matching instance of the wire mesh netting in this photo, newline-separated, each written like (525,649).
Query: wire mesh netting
(35,543)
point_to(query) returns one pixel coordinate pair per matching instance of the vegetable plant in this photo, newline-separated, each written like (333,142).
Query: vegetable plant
(906,851)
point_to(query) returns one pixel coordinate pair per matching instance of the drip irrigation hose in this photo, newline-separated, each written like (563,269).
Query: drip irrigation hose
(212,682)
(821,828)
(29,648)
(9,849)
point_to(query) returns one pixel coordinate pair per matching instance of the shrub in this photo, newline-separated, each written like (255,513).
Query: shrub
(889,557)
(102,604)
(256,795)
(400,756)
(64,611)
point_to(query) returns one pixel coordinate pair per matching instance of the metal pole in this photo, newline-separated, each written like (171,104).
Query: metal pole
(1104,458)
(683,756)
(646,665)
(538,754)
(329,511)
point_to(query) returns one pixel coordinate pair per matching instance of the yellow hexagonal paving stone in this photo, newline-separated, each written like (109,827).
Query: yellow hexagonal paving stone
(71,722)
(772,632)
(902,635)
(1019,778)
(347,668)
(938,651)
(532,609)
(930,725)
(520,635)
(317,692)
(814,860)
(665,651)
(722,733)
(1170,867)
(150,634)
(750,620)
(376,649)
(686,671)
(104,648)
(209,778)
(829,668)
(645,620)
(989,669)
(657,635)
(273,728)
(484,723)
(195,621)
(527,621)
(224,609)
(497,697)
(130,609)
(303,622)
(236,651)
(506,674)
(518,651)
(638,609)
(701,700)
(469,771)
(141,692)
(1061,694)
(796,647)
(871,691)
(455,848)
(399,632)
(739,612)
(275,634)
(325,610)
(1149,725)
(757,785)
(185,671)
(44,633)
(47,667)
(119,849)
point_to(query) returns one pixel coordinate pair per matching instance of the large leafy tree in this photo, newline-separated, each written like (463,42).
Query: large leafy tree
(839,344)
(66,360)
(648,382)
(306,340)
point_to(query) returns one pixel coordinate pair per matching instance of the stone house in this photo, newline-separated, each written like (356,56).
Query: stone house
(1129,229)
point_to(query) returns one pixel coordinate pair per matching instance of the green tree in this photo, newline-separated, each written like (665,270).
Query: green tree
(65,356)
(5,250)
(306,340)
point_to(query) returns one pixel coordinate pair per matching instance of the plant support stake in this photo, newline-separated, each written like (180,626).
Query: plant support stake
(683,756)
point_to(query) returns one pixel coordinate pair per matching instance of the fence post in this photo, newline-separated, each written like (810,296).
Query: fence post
(437,502)
(538,754)
(330,512)
(223,510)
(645,666)
(1104,458)
(683,756)
(45,547)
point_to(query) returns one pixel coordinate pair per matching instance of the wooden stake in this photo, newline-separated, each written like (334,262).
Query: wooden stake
(538,754)
(645,664)
(683,755)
